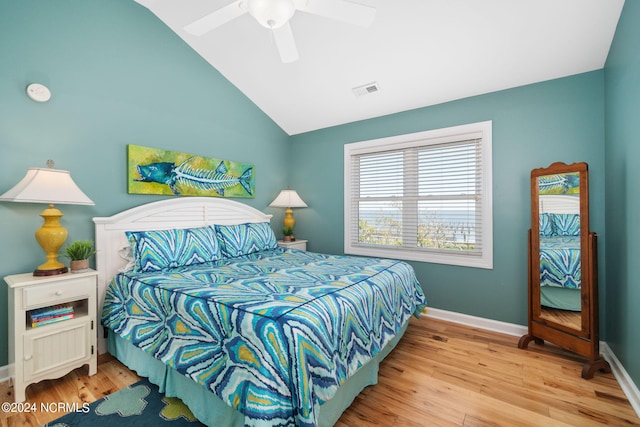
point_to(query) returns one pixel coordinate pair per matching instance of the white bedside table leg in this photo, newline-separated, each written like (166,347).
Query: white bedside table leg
(93,366)
(19,392)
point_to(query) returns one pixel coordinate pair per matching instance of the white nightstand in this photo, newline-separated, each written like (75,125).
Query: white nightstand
(296,244)
(54,349)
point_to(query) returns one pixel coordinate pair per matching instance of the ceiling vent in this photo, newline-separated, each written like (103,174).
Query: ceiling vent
(366,89)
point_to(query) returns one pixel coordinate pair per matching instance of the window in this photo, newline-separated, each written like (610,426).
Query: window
(424,196)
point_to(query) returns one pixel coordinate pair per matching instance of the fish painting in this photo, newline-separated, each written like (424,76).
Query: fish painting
(562,183)
(185,175)
(158,171)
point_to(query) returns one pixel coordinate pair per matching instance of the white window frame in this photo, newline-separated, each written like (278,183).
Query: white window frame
(481,130)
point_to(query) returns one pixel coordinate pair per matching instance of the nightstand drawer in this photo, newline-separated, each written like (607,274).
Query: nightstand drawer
(55,293)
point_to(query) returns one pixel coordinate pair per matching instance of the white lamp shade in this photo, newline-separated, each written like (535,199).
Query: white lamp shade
(42,185)
(288,199)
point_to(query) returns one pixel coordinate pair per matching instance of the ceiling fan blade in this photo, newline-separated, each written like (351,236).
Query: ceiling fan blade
(215,19)
(286,44)
(340,10)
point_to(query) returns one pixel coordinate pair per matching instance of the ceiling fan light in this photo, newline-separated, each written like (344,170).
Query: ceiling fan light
(271,13)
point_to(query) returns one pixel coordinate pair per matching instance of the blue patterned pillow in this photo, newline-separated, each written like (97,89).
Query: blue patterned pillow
(161,249)
(244,239)
(546,225)
(566,224)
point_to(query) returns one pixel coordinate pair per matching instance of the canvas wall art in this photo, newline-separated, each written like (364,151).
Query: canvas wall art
(561,183)
(156,171)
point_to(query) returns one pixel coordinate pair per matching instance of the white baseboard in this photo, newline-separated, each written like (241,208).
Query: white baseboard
(477,322)
(4,373)
(626,383)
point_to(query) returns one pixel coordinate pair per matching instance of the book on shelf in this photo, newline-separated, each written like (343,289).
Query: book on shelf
(51,311)
(46,315)
(49,320)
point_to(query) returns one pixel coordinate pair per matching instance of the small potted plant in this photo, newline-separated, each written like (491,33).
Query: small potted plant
(288,234)
(78,253)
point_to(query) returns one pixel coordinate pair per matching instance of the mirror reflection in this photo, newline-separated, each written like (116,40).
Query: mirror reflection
(560,255)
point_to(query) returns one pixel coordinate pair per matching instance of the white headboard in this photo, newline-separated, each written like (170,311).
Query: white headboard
(560,204)
(180,212)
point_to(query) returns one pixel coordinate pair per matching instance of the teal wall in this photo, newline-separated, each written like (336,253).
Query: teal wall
(118,76)
(622,151)
(533,126)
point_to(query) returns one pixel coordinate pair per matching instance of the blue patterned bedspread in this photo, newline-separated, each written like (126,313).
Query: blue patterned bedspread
(274,333)
(560,261)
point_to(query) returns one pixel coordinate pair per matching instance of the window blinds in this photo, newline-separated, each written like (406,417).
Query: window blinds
(424,196)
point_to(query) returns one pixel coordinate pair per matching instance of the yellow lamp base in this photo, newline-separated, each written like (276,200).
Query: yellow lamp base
(289,221)
(51,237)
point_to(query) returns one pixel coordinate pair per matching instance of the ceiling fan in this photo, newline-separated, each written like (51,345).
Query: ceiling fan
(275,15)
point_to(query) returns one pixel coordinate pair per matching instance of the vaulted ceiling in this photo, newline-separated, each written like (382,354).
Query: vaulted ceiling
(417,52)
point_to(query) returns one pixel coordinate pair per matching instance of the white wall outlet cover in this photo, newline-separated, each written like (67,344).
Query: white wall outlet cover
(38,92)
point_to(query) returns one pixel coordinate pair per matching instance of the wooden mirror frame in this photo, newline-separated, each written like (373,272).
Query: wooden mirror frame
(584,341)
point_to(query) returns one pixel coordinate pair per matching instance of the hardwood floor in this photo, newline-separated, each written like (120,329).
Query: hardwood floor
(440,374)
(75,387)
(571,319)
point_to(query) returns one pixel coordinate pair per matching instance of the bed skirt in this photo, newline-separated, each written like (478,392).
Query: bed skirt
(561,298)
(212,411)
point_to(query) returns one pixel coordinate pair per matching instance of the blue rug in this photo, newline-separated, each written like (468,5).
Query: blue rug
(139,405)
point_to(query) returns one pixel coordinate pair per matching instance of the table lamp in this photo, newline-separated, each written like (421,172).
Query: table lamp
(48,185)
(288,199)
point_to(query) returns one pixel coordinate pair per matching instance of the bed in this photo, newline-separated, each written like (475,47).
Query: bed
(245,332)
(560,260)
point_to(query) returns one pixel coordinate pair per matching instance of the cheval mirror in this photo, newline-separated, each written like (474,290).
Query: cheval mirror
(563,272)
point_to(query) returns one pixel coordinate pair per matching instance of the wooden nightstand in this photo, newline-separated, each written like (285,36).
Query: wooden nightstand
(296,244)
(50,350)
